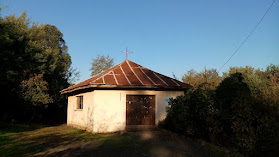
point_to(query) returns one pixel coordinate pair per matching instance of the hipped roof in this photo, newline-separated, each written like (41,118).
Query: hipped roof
(128,75)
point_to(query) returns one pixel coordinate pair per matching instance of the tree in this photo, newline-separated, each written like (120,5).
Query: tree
(29,50)
(35,91)
(100,64)
(241,113)
(210,78)
(264,85)
(189,114)
(16,61)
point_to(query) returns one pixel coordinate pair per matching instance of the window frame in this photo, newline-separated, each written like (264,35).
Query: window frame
(79,105)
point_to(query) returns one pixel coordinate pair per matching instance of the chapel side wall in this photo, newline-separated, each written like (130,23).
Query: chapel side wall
(110,108)
(109,112)
(162,104)
(81,118)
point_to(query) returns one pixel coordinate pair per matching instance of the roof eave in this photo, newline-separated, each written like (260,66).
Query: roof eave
(102,86)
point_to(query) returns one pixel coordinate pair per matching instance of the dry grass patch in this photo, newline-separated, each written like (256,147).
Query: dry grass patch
(67,141)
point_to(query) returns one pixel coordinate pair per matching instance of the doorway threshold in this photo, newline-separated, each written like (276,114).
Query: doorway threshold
(140,127)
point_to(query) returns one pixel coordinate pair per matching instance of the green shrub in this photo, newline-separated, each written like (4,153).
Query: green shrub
(230,116)
(191,113)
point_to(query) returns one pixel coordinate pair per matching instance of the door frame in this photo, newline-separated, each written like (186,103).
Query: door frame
(155,106)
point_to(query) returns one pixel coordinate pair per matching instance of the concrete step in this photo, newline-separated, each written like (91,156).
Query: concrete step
(140,127)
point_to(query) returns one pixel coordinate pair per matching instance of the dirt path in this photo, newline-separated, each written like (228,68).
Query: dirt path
(66,141)
(164,144)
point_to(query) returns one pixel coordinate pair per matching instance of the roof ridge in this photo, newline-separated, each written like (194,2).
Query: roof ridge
(107,71)
(157,72)
(94,77)
(169,77)
(134,72)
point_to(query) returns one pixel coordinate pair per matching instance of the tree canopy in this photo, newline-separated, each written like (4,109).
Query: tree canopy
(100,64)
(264,84)
(35,65)
(240,113)
(209,78)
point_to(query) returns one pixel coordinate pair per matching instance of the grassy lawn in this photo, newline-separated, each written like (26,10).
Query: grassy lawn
(35,140)
(24,140)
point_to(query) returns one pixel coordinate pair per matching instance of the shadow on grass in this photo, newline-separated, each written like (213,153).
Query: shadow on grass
(55,141)
(17,128)
(100,145)
(67,141)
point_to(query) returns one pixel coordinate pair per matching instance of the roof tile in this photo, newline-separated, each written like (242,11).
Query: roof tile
(128,73)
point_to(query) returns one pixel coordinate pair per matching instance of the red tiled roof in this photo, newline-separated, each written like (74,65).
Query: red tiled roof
(128,74)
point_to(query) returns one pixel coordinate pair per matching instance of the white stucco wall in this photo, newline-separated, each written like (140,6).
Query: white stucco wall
(105,110)
(81,118)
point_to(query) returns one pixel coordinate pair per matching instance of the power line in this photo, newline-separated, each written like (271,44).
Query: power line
(247,36)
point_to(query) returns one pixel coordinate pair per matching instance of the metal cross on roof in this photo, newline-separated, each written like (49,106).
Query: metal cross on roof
(127,52)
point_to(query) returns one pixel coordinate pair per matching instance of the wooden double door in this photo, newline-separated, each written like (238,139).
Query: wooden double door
(140,110)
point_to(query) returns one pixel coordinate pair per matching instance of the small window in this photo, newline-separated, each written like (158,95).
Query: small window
(79,102)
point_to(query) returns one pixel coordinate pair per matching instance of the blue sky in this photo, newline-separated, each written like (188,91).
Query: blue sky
(166,36)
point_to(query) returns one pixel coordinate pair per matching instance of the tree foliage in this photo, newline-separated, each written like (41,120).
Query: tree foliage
(34,90)
(209,77)
(233,101)
(264,85)
(241,113)
(34,65)
(100,64)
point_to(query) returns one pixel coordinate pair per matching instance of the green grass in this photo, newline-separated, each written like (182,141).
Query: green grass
(115,140)
(28,140)
(10,144)
(17,128)
(24,140)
